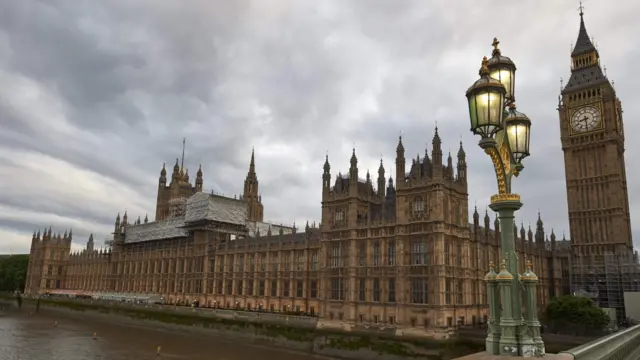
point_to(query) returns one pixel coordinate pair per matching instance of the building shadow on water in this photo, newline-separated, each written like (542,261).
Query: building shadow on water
(52,336)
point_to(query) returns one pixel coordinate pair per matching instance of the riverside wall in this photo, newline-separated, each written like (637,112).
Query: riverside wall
(300,333)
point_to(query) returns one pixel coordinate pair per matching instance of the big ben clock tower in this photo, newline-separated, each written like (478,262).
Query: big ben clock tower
(592,135)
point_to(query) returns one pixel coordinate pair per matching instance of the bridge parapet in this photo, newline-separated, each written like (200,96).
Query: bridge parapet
(622,345)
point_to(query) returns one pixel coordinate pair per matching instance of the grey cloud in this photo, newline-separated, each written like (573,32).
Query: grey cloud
(293,79)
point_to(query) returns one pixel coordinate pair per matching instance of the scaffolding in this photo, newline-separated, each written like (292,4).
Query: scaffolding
(605,278)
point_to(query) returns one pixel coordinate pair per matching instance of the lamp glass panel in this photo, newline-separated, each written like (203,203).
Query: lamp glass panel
(496,107)
(518,136)
(505,76)
(473,112)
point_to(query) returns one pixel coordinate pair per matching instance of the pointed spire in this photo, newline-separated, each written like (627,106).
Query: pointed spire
(146,218)
(199,173)
(461,153)
(184,143)
(381,169)
(400,147)
(436,139)
(327,167)
(583,44)
(252,164)
(354,159)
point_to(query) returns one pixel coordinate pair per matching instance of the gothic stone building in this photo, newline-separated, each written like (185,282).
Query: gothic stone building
(402,257)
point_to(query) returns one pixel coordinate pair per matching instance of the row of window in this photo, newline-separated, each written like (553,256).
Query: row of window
(248,287)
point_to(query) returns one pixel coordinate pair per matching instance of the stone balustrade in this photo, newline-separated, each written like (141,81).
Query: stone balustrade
(622,345)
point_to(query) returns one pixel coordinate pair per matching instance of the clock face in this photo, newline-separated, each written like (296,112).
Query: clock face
(585,119)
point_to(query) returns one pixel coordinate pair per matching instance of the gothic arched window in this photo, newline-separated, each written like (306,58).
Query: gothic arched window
(418,205)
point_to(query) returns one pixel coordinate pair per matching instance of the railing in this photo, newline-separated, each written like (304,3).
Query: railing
(622,345)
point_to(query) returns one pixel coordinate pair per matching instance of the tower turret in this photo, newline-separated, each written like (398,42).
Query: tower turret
(462,165)
(400,164)
(199,179)
(436,154)
(381,182)
(251,192)
(326,177)
(90,243)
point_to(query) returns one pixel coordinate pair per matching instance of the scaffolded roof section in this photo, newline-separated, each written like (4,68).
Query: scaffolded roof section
(203,206)
(263,228)
(167,229)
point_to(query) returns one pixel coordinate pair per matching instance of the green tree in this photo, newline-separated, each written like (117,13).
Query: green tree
(13,272)
(575,315)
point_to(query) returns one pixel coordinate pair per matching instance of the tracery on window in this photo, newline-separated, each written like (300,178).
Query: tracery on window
(418,206)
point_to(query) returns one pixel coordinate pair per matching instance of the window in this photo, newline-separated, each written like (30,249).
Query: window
(261,288)
(286,257)
(376,289)
(300,260)
(249,287)
(229,262)
(459,291)
(337,289)
(391,291)
(299,288)
(263,262)
(418,252)
(362,253)
(336,255)
(459,254)
(239,287)
(376,253)
(418,206)
(447,290)
(274,262)
(419,291)
(274,288)
(314,289)
(339,215)
(229,287)
(240,265)
(391,252)
(447,252)
(361,289)
(286,289)
(314,260)
(252,263)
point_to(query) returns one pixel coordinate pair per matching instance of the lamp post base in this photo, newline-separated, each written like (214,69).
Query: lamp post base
(515,335)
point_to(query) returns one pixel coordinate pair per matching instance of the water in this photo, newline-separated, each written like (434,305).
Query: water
(24,337)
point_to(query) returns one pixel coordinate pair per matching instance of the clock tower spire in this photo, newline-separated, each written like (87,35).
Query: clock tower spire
(592,137)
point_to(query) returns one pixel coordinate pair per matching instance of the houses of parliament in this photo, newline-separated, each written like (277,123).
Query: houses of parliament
(396,252)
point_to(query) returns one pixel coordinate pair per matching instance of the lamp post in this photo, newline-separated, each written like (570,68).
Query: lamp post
(505,137)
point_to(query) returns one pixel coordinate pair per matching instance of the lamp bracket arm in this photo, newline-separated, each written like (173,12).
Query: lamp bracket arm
(501,157)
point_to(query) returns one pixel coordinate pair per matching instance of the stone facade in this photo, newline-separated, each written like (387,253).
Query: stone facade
(403,257)
(592,135)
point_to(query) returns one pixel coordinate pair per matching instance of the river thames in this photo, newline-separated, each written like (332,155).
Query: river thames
(50,336)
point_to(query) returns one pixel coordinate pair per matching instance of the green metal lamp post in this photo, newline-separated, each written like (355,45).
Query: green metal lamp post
(505,137)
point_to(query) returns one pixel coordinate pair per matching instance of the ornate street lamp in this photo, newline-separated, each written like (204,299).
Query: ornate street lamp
(505,137)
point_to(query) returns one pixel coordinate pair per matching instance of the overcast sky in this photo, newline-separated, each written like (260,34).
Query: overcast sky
(95,95)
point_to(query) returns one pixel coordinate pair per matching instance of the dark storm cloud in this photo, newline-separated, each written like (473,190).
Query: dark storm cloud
(95,96)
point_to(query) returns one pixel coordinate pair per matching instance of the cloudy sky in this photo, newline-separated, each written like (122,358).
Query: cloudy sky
(95,95)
